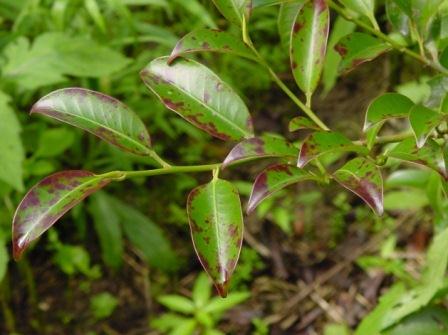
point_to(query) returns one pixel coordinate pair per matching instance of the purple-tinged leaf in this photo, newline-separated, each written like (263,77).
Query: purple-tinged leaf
(358,48)
(212,40)
(302,122)
(309,44)
(98,114)
(48,201)
(430,155)
(216,224)
(273,179)
(260,147)
(423,122)
(363,177)
(198,95)
(323,142)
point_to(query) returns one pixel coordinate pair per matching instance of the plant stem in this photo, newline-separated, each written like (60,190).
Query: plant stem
(307,110)
(159,159)
(387,39)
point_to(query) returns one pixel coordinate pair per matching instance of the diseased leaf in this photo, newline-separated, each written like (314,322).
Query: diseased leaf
(363,177)
(260,147)
(286,18)
(430,155)
(12,154)
(211,40)
(233,10)
(358,48)
(302,122)
(98,114)
(216,223)
(309,44)
(385,107)
(48,201)
(323,142)
(272,180)
(423,121)
(199,96)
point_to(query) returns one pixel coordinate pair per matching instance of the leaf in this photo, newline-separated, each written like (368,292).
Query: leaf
(53,142)
(146,236)
(286,18)
(201,290)
(98,114)
(197,94)
(323,142)
(309,44)
(217,306)
(439,89)
(397,17)
(212,40)
(357,48)
(364,7)
(259,147)
(4,258)
(330,73)
(430,155)
(197,9)
(216,223)
(177,303)
(12,153)
(272,180)
(408,178)
(301,122)
(429,321)
(108,228)
(423,121)
(363,177)
(409,200)
(233,10)
(265,3)
(48,201)
(386,107)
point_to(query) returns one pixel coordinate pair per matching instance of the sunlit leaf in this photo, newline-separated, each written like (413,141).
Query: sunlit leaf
(320,143)
(199,96)
(309,44)
(358,48)
(260,147)
(363,177)
(216,223)
(211,40)
(48,201)
(301,122)
(272,180)
(98,114)
(423,121)
(233,10)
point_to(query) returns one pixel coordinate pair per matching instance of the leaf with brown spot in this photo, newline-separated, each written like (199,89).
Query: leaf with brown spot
(216,224)
(363,177)
(48,201)
(302,122)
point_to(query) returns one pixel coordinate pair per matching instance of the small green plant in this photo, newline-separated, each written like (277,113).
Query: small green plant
(199,314)
(415,29)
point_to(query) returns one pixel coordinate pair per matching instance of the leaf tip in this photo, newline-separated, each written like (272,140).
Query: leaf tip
(222,288)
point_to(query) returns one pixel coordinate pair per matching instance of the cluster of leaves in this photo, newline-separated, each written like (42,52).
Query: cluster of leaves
(202,98)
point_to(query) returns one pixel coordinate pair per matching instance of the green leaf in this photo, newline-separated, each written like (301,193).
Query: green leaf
(48,201)
(309,44)
(212,40)
(186,327)
(196,9)
(201,290)
(386,107)
(264,3)
(145,236)
(363,7)
(98,114)
(330,73)
(439,89)
(233,10)
(358,48)
(103,305)
(423,122)
(216,223)
(408,178)
(260,147)
(217,306)
(4,258)
(429,321)
(95,13)
(199,96)
(54,142)
(274,179)
(107,226)
(430,155)
(177,303)
(409,200)
(301,122)
(286,18)
(397,17)
(12,153)
(363,177)
(324,142)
